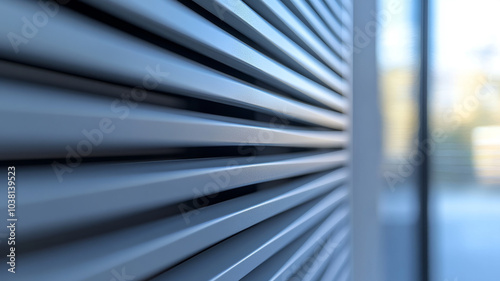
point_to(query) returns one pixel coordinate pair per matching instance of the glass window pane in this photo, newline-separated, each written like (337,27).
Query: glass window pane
(398,68)
(465,113)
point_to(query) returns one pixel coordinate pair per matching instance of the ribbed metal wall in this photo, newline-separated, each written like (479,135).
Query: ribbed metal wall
(177,140)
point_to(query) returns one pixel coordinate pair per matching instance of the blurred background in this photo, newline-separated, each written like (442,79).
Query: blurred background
(464,138)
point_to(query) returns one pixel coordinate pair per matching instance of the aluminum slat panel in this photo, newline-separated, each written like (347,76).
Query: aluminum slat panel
(112,198)
(341,13)
(310,15)
(255,245)
(344,276)
(333,23)
(336,267)
(301,256)
(76,37)
(248,22)
(279,14)
(316,265)
(172,239)
(208,39)
(265,270)
(214,86)
(61,119)
(286,266)
(178,140)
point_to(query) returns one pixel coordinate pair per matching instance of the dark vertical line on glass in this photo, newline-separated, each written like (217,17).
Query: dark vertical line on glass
(423,137)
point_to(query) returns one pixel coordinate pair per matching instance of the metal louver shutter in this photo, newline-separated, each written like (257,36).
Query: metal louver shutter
(177,140)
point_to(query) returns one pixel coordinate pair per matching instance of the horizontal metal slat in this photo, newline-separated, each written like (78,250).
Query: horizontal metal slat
(316,265)
(148,185)
(210,85)
(265,270)
(125,207)
(279,14)
(70,39)
(285,266)
(336,267)
(248,22)
(240,254)
(333,23)
(341,12)
(347,5)
(311,245)
(170,240)
(60,119)
(321,29)
(344,275)
(210,40)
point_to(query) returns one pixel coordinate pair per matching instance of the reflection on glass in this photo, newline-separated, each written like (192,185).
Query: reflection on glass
(465,110)
(398,67)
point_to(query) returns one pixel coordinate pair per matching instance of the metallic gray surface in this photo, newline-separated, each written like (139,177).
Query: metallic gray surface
(122,207)
(205,37)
